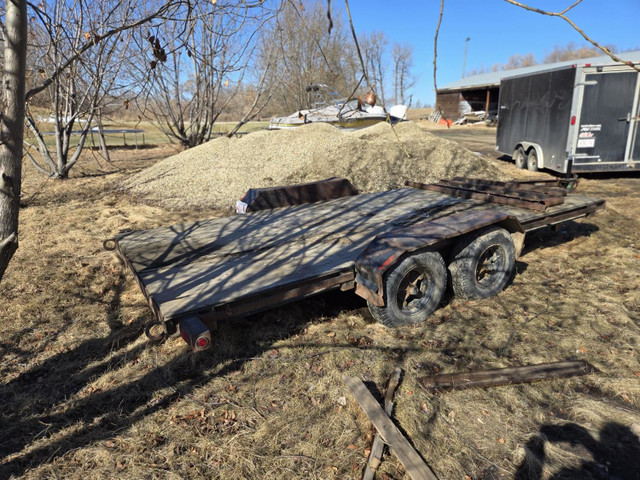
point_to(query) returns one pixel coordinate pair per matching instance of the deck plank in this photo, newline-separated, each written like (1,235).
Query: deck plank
(244,233)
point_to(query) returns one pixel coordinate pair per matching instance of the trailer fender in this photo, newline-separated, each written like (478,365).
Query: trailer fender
(530,145)
(387,249)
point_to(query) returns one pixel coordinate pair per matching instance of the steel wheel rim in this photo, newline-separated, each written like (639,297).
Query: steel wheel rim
(519,156)
(491,265)
(414,292)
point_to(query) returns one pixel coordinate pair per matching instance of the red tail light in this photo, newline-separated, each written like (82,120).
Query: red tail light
(195,333)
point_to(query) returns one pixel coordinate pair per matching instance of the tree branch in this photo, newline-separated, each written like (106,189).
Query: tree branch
(35,164)
(364,71)
(13,238)
(562,15)
(435,47)
(42,147)
(94,41)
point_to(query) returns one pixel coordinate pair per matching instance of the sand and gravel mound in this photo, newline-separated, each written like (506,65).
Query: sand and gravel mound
(216,174)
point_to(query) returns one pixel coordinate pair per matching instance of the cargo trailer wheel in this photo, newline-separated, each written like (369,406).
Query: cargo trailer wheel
(532,160)
(520,157)
(483,264)
(413,290)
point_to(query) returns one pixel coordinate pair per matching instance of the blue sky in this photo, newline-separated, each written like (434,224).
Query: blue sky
(497,31)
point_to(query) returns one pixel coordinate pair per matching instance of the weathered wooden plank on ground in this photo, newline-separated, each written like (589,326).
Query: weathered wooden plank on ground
(399,445)
(506,376)
(378,444)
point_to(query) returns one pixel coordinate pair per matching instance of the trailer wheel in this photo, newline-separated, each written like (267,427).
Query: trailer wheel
(483,264)
(520,157)
(155,331)
(413,290)
(532,160)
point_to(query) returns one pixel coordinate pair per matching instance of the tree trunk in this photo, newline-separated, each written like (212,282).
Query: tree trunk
(12,128)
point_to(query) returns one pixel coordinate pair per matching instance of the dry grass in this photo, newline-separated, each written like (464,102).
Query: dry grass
(418,113)
(84,395)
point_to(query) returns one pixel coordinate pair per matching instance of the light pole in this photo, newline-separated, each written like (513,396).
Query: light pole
(464,62)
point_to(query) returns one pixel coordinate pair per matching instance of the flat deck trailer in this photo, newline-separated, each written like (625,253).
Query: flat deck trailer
(393,248)
(582,118)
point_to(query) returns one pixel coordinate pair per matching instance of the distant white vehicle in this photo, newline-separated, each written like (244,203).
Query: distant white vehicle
(328,107)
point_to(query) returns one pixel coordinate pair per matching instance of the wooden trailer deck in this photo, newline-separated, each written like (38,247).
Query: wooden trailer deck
(203,267)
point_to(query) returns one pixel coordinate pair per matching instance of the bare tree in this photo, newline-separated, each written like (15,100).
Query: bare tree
(262,96)
(15,36)
(202,69)
(402,77)
(519,61)
(571,51)
(75,97)
(562,14)
(560,53)
(374,46)
(435,47)
(306,53)
(12,126)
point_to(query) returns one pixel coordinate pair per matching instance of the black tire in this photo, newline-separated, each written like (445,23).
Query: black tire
(532,160)
(413,290)
(520,157)
(483,264)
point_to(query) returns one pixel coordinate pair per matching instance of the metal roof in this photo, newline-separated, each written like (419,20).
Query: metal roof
(492,79)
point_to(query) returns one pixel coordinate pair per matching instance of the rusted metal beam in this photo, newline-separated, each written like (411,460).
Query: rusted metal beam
(564,185)
(555,219)
(506,376)
(538,206)
(530,194)
(512,186)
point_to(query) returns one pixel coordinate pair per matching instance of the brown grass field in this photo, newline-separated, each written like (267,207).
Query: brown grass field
(84,395)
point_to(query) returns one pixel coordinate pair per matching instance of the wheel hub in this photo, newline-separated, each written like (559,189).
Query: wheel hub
(413,291)
(490,264)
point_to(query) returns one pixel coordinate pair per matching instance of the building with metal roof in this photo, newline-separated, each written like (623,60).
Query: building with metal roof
(481,92)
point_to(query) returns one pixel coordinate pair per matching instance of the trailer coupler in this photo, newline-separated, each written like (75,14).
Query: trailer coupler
(195,333)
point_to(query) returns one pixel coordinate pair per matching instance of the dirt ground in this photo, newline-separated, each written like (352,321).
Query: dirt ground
(85,395)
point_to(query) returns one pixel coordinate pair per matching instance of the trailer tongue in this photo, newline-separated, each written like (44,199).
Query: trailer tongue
(394,248)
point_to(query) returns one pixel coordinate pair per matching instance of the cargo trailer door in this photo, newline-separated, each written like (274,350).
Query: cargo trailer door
(634,143)
(606,120)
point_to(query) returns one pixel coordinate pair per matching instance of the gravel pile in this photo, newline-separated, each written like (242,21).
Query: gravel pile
(216,174)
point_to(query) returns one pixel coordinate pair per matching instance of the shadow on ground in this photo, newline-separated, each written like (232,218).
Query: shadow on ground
(52,409)
(614,455)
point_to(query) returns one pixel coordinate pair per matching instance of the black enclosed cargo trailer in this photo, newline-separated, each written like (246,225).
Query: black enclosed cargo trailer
(572,119)
(397,249)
